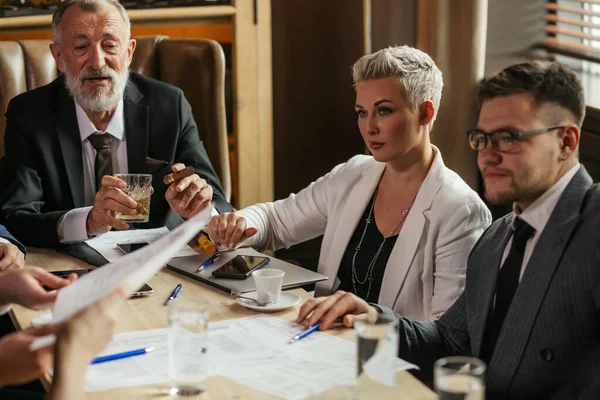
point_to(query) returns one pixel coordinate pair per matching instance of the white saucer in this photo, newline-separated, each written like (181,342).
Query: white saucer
(285,301)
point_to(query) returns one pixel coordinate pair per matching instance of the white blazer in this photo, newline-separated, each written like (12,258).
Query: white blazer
(425,272)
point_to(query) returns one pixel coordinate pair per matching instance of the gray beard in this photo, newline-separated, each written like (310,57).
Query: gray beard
(102,99)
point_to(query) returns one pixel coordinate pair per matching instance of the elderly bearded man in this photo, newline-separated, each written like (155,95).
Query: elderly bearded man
(64,140)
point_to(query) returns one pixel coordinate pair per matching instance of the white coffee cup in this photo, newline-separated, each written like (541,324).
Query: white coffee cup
(268,283)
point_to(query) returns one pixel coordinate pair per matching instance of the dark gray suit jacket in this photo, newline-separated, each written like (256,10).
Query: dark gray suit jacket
(43,166)
(550,341)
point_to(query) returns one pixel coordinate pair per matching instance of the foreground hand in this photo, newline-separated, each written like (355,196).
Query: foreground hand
(79,340)
(24,286)
(190,195)
(19,364)
(109,199)
(10,256)
(87,333)
(328,309)
(229,229)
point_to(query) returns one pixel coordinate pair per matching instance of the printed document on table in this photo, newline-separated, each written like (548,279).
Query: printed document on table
(253,351)
(133,269)
(305,368)
(106,244)
(150,368)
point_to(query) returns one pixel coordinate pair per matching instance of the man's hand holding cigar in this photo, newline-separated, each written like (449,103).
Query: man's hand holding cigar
(188,194)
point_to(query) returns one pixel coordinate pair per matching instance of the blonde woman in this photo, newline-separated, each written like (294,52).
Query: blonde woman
(398,225)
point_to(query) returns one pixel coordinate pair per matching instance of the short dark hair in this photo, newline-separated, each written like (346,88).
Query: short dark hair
(546,82)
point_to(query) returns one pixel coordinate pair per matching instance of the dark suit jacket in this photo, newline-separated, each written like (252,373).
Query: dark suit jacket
(4,233)
(43,166)
(549,343)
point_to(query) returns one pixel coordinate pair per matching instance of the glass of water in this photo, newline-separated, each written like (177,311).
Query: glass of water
(188,339)
(459,378)
(377,349)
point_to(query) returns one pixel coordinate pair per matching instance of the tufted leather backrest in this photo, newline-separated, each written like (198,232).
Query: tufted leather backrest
(197,66)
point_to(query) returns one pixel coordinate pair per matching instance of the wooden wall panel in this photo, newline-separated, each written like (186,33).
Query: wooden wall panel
(252,101)
(314,124)
(393,23)
(314,44)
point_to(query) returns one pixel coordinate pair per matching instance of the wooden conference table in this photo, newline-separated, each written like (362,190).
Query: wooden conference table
(149,313)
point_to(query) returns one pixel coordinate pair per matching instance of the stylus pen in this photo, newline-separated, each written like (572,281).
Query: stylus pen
(206,263)
(304,334)
(126,354)
(174,294)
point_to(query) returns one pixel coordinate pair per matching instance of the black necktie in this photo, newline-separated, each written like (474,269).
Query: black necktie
(506,286)
(103,165)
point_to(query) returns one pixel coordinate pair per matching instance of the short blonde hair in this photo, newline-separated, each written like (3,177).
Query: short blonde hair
(411,67)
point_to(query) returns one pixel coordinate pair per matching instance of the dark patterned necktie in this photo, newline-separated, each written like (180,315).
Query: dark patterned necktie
(506,286)
(103,164)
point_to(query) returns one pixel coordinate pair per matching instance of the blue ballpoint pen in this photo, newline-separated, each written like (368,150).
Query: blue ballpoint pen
(304,334)
(117,356)
(206,263)
(174,294)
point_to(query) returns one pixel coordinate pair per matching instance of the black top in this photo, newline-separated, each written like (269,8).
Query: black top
(370,244)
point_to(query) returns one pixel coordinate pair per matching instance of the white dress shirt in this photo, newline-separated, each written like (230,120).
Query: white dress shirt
(538,214)
(72,227)
(115,128)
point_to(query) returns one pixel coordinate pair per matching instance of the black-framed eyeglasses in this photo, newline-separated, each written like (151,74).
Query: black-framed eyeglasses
(502,140)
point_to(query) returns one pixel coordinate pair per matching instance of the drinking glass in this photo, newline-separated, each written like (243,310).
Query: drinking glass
(377,350)
(188,339)
(268,283)
(139,188)
(459,378)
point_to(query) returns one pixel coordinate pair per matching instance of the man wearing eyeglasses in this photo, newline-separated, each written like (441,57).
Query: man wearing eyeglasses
(531,305)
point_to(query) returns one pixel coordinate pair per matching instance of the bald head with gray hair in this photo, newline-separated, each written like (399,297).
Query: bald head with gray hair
(90,6)
(414,69)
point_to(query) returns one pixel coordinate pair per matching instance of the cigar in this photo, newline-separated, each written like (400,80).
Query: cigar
(175,176)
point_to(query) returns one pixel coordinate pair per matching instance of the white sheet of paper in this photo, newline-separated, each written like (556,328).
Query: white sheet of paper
(303,369)
(236,347)
(106,244)
(147,369)
(133,268)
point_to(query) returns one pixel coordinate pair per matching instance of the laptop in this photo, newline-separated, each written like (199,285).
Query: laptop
(188,266)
